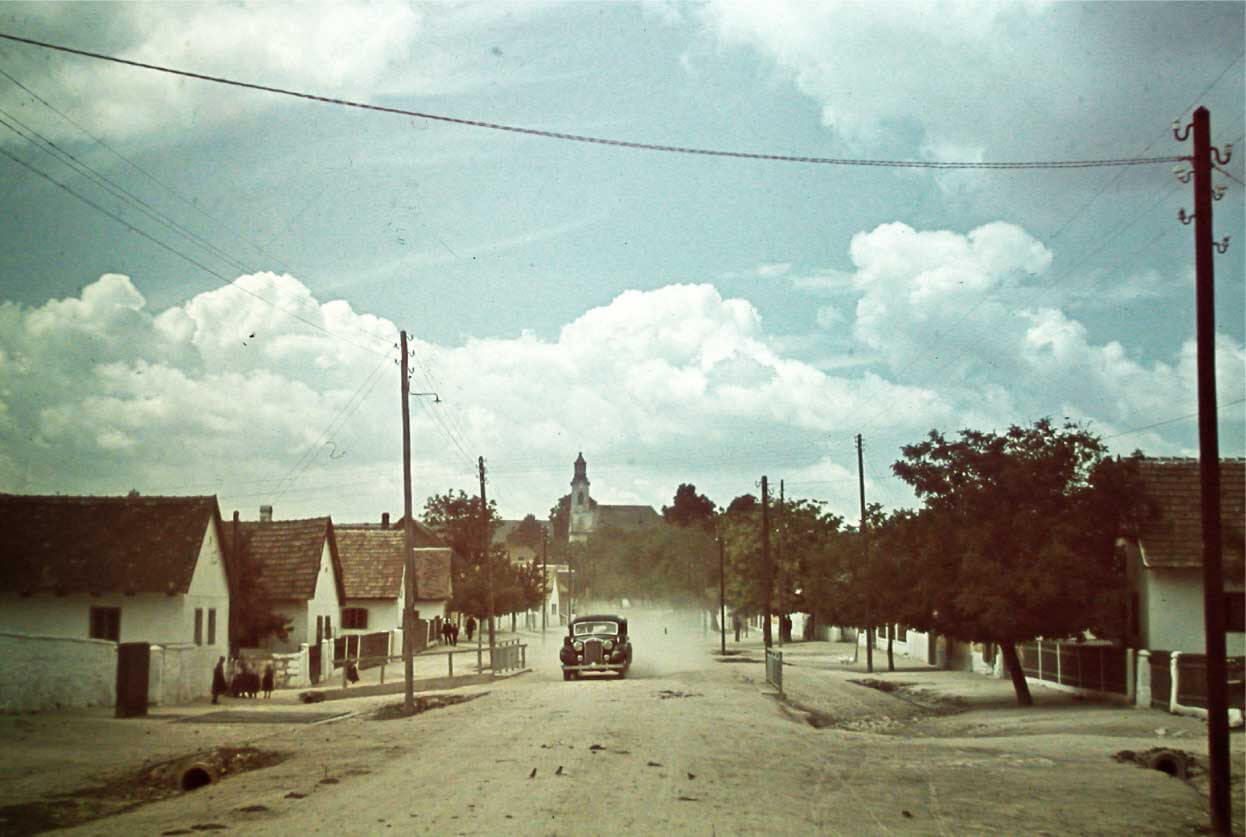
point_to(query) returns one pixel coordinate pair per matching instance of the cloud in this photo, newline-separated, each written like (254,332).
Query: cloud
(361,51)
(770,271)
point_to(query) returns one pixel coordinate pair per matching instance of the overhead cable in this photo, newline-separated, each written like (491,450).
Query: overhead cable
(642,146)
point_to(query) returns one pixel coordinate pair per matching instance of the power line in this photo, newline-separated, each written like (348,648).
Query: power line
(642,146)
(1167,421)
(229,283)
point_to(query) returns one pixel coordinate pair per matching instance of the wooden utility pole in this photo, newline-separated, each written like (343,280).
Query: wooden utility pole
(722,593)
(408,561)
(544,577)
(779,571)
(865,551)
(1209,465)
(767,569)
(486,552)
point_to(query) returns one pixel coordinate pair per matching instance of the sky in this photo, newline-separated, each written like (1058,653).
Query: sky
(202,286)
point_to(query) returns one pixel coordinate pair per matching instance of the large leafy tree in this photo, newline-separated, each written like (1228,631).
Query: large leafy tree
(688,507)
(251,616)
(560,517)
(528,532)
(1017,537)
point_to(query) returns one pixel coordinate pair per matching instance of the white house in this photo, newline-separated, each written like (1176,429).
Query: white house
(1165,559)
(299,572)
(109,570)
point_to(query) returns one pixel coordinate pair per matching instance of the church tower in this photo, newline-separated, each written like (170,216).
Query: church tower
(581,523)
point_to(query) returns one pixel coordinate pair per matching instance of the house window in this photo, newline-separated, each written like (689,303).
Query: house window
(903,633)
(1235,612)
(328,627)
(319,629)
(198,626)
(553,608)
(212,626)
(106,623)
(355,618)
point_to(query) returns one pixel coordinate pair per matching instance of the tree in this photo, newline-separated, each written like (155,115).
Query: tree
(688,507)
(1017,537)
(251,617)
(455,516)
(529,532)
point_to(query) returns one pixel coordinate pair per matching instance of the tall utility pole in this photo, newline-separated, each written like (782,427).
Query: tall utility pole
(767,569)
(544,577)
(779,564)
(865,550)
(408,560)
(1209,463)
(485,551)
(722,593)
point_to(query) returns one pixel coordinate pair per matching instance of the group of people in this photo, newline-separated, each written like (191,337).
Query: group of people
(450,630)
(244,683)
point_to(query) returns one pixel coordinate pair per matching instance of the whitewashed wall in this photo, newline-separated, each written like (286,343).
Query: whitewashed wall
(181,673)
(46,672)
(325,601)
(383,615)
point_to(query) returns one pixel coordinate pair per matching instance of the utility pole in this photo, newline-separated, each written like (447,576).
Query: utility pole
(722,593)
(485,550)
(544,578)
(865,550)
(779,564)
(1209,460)
(765,560)
(408,561)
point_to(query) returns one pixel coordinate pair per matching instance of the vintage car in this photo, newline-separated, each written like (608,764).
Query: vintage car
(595,643)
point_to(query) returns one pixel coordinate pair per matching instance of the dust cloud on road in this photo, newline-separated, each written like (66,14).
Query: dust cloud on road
(684,745)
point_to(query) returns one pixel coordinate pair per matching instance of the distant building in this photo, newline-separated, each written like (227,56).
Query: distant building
(373,577)
(588,517)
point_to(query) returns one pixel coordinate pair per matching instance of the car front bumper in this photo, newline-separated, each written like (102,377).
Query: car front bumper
(591,667)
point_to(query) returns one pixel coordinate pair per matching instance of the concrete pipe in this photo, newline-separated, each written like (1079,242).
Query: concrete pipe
(1169,761)
(196,775)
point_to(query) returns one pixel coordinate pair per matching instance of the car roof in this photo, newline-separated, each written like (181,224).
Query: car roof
(599,617)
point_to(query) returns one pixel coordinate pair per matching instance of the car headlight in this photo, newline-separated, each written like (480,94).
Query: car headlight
(579,646)
(607,645)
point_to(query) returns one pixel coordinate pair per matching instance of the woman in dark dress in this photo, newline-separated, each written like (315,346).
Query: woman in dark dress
(219,686)
(267,684)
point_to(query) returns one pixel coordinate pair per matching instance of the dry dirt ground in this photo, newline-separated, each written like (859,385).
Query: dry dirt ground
(687,744)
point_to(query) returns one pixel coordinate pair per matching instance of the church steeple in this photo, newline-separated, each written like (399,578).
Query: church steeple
(581,502)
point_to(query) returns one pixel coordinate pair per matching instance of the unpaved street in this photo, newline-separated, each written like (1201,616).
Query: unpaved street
(691,745)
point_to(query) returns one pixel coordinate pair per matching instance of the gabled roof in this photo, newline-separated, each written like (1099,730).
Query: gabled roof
(626,517)
(372,562)
(1173,537)
(288,553)
(102,544)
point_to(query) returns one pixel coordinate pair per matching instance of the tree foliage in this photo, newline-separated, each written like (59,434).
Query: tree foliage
(688,507)
(251,616)
(1017,536)
(476,562)
(529,532)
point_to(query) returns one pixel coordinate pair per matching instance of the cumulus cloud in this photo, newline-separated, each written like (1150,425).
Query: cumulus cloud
(287,397)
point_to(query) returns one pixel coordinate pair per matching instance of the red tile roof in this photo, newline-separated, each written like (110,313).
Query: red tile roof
(102,544)
(372,562)
(288,553)
(1173,537)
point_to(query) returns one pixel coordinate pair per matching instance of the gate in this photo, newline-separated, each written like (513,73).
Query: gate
(774,669)
(313,663)
(133,669)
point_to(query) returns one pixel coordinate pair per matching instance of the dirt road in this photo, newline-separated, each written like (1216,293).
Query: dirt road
(691,745)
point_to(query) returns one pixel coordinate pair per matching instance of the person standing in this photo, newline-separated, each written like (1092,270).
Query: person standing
(268,681)
(219,685)
(471,627)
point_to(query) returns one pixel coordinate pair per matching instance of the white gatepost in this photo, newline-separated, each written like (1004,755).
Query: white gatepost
(1172,691)
(1142,691)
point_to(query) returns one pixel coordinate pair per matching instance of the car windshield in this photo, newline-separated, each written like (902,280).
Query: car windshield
(587,628)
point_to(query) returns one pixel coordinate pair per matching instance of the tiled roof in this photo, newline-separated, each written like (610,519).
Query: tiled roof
(102,544)
(1173,537)
(288,553)
(372,562)
(626,517)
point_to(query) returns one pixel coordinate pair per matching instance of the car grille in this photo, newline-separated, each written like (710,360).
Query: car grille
(592,651)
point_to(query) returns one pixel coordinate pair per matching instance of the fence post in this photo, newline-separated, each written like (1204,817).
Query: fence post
(1038,650)
(1173,675)
(1142,674)
(523,656)
(450,660)
(1059,664)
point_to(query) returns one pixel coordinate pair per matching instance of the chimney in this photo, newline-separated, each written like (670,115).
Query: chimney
(266,514)
(384,520)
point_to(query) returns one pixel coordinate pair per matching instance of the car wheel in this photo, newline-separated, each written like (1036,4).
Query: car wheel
(622,673)
(566,675)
